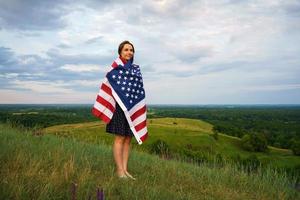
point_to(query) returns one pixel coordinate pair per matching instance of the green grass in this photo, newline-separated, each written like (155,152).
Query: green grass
(43,167)
(178,136)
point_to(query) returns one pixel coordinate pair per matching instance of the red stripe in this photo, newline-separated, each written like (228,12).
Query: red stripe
(100,115)
(138,113)
(114,65)
(144,137)
(106,89)
(123,60)
(140,126)
(105,103)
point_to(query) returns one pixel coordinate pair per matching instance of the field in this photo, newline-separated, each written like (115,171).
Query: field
(180,134)
(46,166)
(60,151)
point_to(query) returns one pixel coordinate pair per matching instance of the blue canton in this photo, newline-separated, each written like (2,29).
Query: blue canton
(128,83)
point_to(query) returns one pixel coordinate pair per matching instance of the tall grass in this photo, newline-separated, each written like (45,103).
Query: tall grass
(45,166)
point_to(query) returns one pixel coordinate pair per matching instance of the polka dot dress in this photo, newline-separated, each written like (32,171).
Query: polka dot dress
(119,124)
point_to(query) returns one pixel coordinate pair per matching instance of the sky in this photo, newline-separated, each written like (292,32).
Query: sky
(189,52)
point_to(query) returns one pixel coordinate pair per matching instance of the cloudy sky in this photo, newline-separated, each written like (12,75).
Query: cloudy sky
(190,52)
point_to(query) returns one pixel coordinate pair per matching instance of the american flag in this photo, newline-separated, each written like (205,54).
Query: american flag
(124,84)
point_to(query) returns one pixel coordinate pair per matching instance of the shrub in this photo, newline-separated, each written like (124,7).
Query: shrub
(194,156)
(160,148)
(295,146)
(254,142)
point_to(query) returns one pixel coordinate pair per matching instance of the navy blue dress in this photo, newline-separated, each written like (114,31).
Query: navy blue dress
(119,124)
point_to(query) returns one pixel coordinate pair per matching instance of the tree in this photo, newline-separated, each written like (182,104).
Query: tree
(295,146)
(254,142)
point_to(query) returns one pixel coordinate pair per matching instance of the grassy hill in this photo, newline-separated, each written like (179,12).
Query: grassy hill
(185,138)
(44,167)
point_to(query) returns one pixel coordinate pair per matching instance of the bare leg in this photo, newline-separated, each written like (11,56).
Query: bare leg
(118,154)
(126,150)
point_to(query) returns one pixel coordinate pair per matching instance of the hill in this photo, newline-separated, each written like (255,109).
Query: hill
(186,138)
(44,167)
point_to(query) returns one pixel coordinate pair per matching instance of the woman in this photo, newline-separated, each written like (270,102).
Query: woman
(119,125)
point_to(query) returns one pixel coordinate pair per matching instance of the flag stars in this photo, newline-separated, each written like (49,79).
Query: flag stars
(130,84)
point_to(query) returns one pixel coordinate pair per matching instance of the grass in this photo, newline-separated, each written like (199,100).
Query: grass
(45,166)
(179,133)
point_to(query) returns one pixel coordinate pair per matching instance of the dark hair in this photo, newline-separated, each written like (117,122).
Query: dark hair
(122,45)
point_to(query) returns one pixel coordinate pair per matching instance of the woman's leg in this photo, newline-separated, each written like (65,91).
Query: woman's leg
(118,154)
(126,150)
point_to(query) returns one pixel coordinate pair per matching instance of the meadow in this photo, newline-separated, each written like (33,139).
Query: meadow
(48,150)
(46,166)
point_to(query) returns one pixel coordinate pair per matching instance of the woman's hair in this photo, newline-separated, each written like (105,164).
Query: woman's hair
(122,45)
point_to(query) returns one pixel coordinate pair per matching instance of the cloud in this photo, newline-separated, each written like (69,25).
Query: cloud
(222,49)
(32,14)
(94,40)
(81,68)
(42,87)
(6,57)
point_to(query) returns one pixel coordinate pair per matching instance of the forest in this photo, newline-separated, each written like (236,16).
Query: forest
(279,125)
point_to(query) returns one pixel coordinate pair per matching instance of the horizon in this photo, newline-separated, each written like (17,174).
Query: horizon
(257,104)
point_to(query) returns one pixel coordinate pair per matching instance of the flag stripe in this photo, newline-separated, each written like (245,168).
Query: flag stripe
(140,125)
(136,107)
(105,103)
(101,115)
(144,137)
(106,88)
(138,113)
(139,119)
(103,109)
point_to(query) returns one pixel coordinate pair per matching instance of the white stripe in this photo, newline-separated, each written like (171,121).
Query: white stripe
(107,97)
(103,109)
(137,107)
(142,132)
(140,119)
(119,61)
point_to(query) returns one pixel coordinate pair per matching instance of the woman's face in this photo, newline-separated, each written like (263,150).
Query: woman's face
(127,52)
